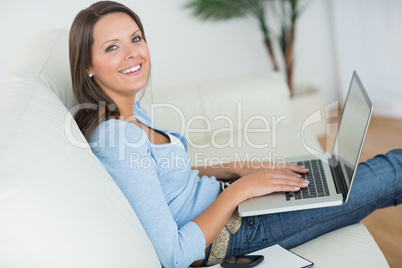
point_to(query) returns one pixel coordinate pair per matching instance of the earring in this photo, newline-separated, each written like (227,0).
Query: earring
(90,75)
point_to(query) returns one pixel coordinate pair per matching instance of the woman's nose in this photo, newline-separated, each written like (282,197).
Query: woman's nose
(131,52)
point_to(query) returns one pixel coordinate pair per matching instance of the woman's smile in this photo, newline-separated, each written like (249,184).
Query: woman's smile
(132,69)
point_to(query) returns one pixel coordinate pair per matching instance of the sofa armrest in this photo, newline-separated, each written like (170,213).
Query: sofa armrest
(350,246)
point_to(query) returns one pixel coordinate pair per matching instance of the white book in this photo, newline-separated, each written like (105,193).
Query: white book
(278,257)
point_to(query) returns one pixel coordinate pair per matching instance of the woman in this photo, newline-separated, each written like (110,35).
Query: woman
(182,210)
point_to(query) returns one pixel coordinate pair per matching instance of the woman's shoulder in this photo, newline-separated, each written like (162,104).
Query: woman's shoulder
(113,126)
(114,133)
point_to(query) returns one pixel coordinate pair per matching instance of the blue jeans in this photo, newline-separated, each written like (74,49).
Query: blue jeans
(378,184)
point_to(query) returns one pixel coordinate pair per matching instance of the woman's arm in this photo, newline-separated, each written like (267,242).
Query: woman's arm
(176,246)
(224,170)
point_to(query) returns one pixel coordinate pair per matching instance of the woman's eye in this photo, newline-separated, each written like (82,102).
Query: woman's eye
(111,48)
(137,39)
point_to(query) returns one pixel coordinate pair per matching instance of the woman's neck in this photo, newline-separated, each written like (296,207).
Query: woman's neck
(126,107)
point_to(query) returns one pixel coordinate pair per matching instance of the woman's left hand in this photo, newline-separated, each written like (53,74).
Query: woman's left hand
(234,170)
(248,167)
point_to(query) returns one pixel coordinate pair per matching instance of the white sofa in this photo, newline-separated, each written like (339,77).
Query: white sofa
(60,208)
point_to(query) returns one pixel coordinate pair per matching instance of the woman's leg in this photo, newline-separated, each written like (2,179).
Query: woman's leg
(378,184)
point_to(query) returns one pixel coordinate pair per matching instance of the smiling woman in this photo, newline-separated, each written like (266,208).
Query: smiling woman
(109,62)
(186,213)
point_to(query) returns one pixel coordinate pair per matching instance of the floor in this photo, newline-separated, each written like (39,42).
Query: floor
(385,225)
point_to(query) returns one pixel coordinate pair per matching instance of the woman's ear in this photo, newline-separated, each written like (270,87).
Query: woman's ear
(90,73)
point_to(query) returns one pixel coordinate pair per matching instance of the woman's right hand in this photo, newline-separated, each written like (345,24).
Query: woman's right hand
(260,182)
(267,181)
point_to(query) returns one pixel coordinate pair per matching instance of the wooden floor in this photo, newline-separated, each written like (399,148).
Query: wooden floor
(385,225)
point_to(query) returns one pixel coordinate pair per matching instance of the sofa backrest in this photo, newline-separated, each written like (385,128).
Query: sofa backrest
(209,110)
(47,63)
(59,207)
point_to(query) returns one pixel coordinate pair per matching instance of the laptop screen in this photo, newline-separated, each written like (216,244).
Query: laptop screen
(352,129)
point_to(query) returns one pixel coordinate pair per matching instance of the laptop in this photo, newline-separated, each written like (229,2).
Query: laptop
(331,175)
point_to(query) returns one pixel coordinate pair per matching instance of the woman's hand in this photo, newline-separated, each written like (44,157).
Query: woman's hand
(234,170)
(264,181)
(245,168)
(260,180)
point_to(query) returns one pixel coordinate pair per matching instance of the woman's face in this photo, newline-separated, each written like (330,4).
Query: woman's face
(120,56)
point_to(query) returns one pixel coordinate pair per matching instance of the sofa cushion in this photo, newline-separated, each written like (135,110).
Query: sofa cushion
(58,205)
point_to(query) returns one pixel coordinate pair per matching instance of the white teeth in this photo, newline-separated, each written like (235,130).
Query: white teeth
(135,68)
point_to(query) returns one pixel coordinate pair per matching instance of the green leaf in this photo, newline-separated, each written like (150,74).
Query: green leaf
(219,9)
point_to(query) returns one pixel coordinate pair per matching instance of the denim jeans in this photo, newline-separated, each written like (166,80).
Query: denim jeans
(378,184)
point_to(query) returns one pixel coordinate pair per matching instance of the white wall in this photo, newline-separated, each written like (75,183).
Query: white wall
(184,49)
(368,38)
(314,57)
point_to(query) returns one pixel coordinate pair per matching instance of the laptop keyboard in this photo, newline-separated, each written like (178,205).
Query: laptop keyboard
(317,187)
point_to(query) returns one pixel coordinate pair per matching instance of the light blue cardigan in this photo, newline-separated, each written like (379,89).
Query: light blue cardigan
(157,180)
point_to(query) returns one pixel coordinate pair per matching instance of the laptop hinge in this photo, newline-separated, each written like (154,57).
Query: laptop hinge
(339,179)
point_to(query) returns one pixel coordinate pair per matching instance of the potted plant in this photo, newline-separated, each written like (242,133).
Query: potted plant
(286,13)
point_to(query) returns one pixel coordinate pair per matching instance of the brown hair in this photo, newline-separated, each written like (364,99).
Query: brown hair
(99,106)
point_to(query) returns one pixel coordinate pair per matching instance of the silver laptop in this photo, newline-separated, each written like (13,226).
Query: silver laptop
(331,175)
